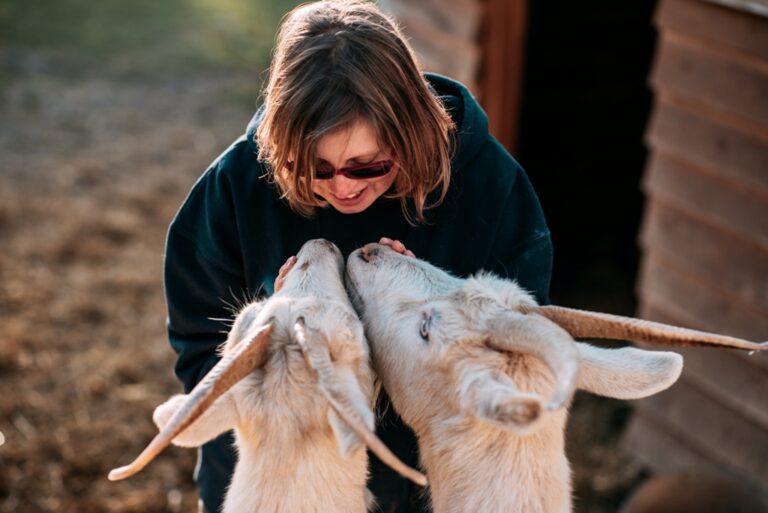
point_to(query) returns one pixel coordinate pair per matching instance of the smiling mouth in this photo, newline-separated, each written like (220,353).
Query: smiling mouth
(352,196)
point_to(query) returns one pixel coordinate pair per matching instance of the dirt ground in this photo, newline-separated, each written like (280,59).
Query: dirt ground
(91,173)
(93,165)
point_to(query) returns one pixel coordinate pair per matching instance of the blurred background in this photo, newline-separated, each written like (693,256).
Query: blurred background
(643,126)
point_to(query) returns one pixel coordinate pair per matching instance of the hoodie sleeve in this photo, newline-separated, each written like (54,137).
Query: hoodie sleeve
(522,248)
(203,275)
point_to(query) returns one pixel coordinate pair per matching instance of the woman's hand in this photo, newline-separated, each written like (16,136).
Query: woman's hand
(397,246)
(283,272)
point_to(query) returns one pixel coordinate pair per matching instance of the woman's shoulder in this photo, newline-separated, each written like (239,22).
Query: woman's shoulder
(233,185)
(492,171)
(238,167)
(238,173)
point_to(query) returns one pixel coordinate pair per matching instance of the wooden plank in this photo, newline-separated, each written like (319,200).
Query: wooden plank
(501,74)
(730,377)
(666,453)
(734,155)
(729,380)
(700,191)
(714,430)
(661,313)
(755,7)
(443,52)
(434,60)
(696,302)
(718,25)
(717,80)
(444,39)
(661,450)
(683,243)
(451,47)
(733,263)
(460,17)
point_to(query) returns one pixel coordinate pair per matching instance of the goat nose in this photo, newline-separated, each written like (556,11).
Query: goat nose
(369,252)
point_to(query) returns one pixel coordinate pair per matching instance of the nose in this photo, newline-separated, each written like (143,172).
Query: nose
(341,186)
(369,252)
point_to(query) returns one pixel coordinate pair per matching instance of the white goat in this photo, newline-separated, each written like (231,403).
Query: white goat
(468,364)
(293,379)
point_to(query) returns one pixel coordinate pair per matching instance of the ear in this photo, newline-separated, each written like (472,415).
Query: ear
(628,372)
(493,398)
(221,416)
(347,439)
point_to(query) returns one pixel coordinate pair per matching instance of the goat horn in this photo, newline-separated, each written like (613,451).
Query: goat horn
(229,370)
(320,361)
(535,335)
(586,324)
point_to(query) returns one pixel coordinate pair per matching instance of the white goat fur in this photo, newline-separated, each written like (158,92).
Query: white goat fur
(485,447)
(294,452)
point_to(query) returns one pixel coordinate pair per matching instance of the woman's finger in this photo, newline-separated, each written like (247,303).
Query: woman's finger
(288,264)
(396,245)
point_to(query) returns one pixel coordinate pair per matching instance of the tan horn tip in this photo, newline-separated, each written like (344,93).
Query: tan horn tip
(419,478)
(121,473)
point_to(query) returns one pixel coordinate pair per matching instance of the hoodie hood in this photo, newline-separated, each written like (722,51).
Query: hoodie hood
(470,119)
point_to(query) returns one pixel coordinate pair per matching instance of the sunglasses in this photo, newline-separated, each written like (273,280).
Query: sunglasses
(325,171)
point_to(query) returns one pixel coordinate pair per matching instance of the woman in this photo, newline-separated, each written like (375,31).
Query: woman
(353,144)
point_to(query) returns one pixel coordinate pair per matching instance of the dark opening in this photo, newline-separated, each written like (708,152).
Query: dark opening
(585,107)
(584,111)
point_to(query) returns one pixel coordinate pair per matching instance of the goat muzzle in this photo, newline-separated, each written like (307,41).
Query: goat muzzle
(369,252)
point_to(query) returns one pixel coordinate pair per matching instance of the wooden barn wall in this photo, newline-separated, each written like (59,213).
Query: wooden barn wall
(481,43)
(443,33)
(705,237)
(500,88)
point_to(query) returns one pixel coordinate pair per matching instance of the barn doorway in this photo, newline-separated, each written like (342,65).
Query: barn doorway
(584,110)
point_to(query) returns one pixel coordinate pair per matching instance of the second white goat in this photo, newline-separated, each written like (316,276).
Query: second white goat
(484,376)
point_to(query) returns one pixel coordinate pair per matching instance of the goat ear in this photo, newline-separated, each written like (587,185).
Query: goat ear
(340,387)
(514,411)
(493,398)
(221,416)
(628,372)
(347,439)
(345,435)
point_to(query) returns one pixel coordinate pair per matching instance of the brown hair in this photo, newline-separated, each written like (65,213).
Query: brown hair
(336,61)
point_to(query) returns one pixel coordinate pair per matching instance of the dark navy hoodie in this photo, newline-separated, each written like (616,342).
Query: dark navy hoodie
(233,233)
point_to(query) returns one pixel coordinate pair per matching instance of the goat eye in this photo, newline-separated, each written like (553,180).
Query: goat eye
(424,329)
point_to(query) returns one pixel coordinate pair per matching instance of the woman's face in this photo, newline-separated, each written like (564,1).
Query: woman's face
(350,146)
